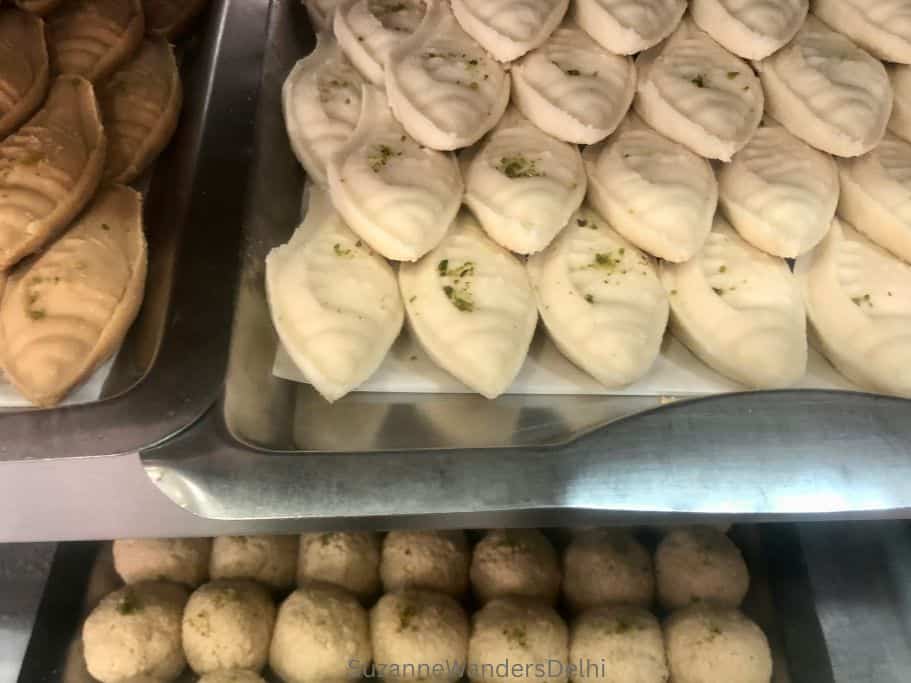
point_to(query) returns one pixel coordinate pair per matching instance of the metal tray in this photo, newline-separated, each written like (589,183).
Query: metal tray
(272,450)
(171,366)
(780,600)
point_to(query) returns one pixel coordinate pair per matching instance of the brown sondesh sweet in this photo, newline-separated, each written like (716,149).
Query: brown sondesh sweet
(140,105)
(65,312)
(170,18)
(40,7)
(23,68)
(49,169)
(92,38)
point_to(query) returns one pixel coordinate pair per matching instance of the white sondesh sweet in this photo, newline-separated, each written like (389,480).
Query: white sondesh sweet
(827,91)
(626,27)
(334,302)
(321,100)
(874,194)
(397,195)
(522,184)
(695,92)
(367,30)
(471,307)
(443,87)
(572,88)
(778,192)
(859,305)
(653,191)
(601,300)
(739,310)
(752,29)
(882,27)
(900,121)
(508,29)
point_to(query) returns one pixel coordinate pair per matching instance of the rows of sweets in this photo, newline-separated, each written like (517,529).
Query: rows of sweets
(90,94)
(343,606)
(612,168)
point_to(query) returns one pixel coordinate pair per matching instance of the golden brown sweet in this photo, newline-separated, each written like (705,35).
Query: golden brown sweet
(92,38)
(23,68)
(170,18)
(49,169)
(40,7)
(65,312)
(140,105)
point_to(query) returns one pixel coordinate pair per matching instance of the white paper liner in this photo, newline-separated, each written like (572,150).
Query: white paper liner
(677,372)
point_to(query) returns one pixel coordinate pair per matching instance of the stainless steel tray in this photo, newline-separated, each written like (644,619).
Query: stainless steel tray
(272,450)
(171,366)
(780,600)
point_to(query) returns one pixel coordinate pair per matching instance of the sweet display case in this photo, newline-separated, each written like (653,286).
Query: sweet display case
(194,434)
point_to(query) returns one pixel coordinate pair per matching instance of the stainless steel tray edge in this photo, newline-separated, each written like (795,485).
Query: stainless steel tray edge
(206,194)
(760,456)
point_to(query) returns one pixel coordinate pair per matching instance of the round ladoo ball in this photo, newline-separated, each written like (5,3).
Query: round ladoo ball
(520,562)
(713,644)
(419,635)
(607,567)
(347,559)
(135,632)
(700,564)
(518,639)
(271,560)
(434,560)
(233,676)
(617,644)
(182,560)
(228,625)
(322,635)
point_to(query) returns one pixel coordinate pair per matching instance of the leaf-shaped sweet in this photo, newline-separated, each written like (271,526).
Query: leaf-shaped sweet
(49,169)
(827,91)
(321,100)
(335,303)
(398,196)
(601,300)
(695,92)
(508,29)
(739,310)
(23,68)
(752,29)
(170,18)
(900,120)
(859,306)
(876,194)
(367,30)
(881,27)
(140,104)
(471,307)
(91,38)
(572,88)
(522,184)
(779,193)
(626,27)
(64,313)
(444,89)
(39,7)
(653,191)
(321,13)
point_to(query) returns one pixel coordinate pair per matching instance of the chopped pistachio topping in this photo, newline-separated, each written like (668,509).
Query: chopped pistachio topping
(698,81)
(407,613)
(516,635)
(518,166)
(380,155)
(128,603)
